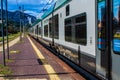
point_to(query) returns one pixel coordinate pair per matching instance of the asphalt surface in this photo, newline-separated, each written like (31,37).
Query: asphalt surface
(27,64)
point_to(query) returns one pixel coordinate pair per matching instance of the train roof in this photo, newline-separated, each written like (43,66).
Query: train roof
(36,22)
(58,5)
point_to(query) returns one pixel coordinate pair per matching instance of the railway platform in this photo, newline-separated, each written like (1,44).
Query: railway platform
(31,61)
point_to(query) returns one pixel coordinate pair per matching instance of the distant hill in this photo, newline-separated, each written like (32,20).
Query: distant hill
(15,16)
(14,20)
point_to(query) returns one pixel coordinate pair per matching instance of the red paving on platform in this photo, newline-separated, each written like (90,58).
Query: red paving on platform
(27,65)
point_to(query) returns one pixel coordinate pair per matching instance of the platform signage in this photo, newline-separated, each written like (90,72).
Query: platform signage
(116,25)
(101,24)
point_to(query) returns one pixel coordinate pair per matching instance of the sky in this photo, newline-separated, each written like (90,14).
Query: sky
(32,7)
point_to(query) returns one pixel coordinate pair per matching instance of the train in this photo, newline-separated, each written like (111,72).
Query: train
(87,32)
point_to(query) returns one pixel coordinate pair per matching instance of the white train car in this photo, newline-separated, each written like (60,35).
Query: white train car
(36,29)
(46,28)
(77,26)
(78,29)
(74,28)
(82,33)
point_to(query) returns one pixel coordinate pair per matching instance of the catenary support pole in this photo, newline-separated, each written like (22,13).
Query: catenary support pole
(53,24)
(7,28)
(20,24)
(4,63)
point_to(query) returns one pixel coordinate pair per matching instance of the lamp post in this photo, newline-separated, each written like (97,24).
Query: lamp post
(4,63)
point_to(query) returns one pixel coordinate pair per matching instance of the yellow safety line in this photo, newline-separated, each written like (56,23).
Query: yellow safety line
(49,69)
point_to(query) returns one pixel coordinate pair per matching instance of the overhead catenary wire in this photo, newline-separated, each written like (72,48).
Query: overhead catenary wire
(43,9)
(17,4)
(47,5)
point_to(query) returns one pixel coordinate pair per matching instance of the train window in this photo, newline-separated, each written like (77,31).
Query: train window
(101,24)
(32,30)
(68,30)
(50,27)
(39,30)
(80,28)
(116,25)
(35,31)
(80,19)
(46,30)
(67,21)
(56,26)
(67,10)
(68,33)
(75,29)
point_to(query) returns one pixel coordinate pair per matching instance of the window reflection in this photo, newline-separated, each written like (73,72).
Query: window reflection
(116,25)
(101,25)
(75,29)
(46,30)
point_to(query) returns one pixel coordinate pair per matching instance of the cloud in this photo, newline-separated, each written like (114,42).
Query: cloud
(46,1)
(32,7)
(31,13)
(30,2)
(39,16)
(11,1)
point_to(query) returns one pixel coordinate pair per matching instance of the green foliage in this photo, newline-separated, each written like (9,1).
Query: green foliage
(11,36)
(8,60)
(5,70)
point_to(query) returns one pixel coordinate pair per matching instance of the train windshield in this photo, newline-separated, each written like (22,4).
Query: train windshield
(116,25)
(101,24)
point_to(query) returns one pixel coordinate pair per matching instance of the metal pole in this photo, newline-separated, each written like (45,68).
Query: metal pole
(3,33)
(23,20)
(20,24)
(7,30)
(79,55)
(53,22)
(53,29)
(109,30)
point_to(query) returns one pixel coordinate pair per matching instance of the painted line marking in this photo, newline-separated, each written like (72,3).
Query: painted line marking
(27,79)
(49,69)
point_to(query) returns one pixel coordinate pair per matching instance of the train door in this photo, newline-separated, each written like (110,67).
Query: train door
(115,40)
(101,55)
(108,39)
(37,31)
(116,26)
